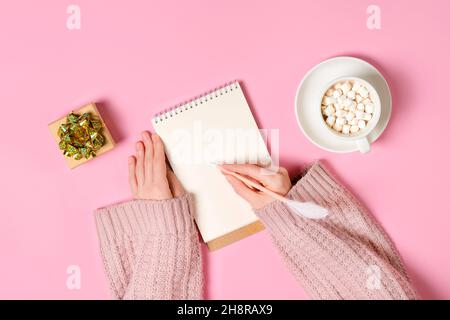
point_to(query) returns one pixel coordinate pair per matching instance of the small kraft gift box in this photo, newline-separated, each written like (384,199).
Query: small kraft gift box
(81,135)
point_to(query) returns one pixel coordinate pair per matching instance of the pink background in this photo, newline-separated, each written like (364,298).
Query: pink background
(136,57)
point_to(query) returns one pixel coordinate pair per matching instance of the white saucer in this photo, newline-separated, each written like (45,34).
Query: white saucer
(309,90)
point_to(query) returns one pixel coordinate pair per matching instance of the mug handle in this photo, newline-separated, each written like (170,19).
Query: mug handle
(363,145)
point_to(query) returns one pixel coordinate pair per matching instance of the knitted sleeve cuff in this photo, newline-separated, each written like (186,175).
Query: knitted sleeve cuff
(171,216)
(316,184)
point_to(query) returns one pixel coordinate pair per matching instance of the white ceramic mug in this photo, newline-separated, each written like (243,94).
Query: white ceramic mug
(360,138)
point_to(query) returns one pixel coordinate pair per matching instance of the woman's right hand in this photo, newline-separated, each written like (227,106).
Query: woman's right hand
(278,182)
(149,176)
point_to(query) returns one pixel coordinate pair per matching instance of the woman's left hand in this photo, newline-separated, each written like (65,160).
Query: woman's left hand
(149,176)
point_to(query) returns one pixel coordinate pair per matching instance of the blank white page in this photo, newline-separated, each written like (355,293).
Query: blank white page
(215,128)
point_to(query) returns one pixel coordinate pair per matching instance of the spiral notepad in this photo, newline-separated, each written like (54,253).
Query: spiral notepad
(217,127)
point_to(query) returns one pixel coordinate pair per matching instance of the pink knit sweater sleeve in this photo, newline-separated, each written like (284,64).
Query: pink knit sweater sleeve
(150,249)
(347,255)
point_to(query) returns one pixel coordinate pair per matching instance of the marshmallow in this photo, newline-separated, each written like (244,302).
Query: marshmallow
(337,127)
(361,124)
(350,116)
(363,92)
(359,114)
(367,116)
(328,100)
(341,121)
(337,93)
(358,98)
(329,110)
(340,100)
(330,120)
(348,103)
(360,107)
(351,94)
(370,108)
(346,129)
(341,113)
(354,129)
(354,122)
(345,87)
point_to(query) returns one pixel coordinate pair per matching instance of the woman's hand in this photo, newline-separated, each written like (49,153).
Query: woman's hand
(278,182)
(149,176)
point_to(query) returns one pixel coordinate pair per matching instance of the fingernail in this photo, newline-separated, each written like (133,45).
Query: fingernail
(145,135)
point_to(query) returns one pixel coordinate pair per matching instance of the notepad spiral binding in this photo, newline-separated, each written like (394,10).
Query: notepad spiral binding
(195,102)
